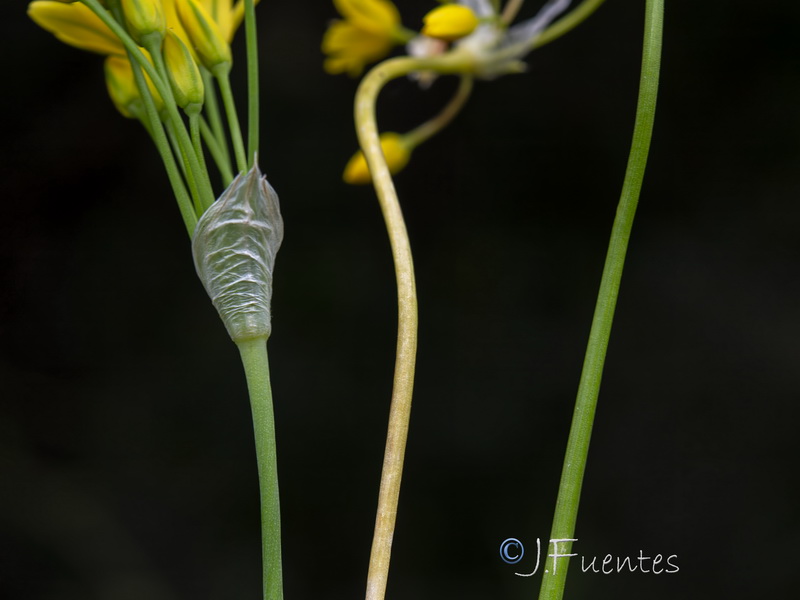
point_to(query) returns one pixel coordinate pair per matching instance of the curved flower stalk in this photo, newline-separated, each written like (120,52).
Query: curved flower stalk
(163,58)
(474,39)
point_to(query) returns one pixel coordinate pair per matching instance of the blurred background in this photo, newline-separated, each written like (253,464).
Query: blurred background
(126,456)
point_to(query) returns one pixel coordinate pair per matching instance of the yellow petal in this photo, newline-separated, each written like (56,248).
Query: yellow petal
(75,24)
(376,16)
(450,22)
(395,151)
(349,48)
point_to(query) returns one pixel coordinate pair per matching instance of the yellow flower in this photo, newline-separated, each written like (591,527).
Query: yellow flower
(450,22)
(395,150)
(370,29)
(75,24)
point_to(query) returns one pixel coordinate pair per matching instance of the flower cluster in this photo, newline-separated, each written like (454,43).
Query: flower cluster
(371,28)
(473,38)
(189,34)
(163,56)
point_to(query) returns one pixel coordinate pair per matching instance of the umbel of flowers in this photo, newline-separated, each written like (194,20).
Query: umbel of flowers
(164,58)
(192,32)
(166,62)
(471,38)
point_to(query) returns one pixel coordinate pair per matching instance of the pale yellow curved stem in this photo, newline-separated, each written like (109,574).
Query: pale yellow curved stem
(400,410)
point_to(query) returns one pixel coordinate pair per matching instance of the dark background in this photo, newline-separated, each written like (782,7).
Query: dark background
(127,468)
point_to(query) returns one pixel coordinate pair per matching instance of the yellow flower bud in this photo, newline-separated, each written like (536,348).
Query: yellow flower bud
(144,18)
(204,34)
(450,22)
(395,150)
(122,88)
(184,74)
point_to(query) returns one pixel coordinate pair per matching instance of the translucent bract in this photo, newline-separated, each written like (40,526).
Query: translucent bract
(234,248)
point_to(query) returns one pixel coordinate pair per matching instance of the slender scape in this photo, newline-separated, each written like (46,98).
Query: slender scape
(454,62)
(566,513)
(256,367)
(403,384)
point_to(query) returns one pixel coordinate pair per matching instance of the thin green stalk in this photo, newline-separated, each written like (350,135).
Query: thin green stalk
(156,131)
(252,80)
(217,127)
(222,75)
(570,21)
(222,162)
(402,389)
(195,163)
(256,368)
(197,144)
(176,151)
(569,490)
(510,10)
(194,133)
(159,82)
(187,174)
(430,128)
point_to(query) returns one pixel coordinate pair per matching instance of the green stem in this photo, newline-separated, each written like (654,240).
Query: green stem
(221,73)
(197,145)
(216,152)
(510,10)
(252,81)
(160,83)
(256,368)
(194,132)
(187,174)
(176,151)
(430,128)
(400,409)
(567,23)
(161,142)
(195,164)
(569,490)
(217,127)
